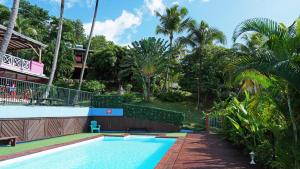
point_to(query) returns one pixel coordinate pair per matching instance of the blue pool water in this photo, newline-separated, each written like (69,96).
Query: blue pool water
(109,153)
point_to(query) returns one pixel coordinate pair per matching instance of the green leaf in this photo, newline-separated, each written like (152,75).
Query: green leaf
(234,123)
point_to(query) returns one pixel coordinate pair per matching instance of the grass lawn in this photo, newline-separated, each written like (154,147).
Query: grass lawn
(5,150)
(193,119)
(42,143)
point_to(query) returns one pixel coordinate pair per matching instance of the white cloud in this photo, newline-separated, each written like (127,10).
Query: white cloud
(71,3)
(114,29)
(155,5)
(2,1)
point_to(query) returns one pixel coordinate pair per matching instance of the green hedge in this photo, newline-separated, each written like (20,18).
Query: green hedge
(139,112)
(112,101)
(153,114)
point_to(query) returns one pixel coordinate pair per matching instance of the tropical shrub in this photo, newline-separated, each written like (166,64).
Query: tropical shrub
(94,86)
(145,62)
(256,124)
(174,96)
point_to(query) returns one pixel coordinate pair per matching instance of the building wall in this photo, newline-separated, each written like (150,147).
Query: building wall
(38,122)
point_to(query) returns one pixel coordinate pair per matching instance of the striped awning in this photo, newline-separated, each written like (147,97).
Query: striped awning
(19,41)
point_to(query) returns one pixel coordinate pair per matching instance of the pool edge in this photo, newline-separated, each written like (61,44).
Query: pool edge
(41,149)
(172,154)
(46,148)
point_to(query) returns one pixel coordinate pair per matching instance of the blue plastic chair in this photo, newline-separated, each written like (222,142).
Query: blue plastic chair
(95,127)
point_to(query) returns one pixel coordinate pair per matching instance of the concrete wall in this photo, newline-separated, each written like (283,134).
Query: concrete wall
(13,111)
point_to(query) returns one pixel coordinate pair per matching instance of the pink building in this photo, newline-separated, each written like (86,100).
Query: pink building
(18,68)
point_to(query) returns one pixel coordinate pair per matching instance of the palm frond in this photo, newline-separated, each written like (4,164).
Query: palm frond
(264,26)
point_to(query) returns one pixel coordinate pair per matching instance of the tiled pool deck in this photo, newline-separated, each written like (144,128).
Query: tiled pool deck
(204,151)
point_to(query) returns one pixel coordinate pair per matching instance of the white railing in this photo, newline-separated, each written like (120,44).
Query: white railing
(14,62)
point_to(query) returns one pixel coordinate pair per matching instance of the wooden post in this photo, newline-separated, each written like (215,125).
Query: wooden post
(40,55)
(207,122)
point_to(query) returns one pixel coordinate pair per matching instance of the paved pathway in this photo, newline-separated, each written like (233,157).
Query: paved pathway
(207,151)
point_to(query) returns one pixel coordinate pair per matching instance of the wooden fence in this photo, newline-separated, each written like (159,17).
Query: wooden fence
(40,128)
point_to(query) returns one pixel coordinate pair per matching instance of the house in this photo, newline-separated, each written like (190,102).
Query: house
(79,53)
(17,68)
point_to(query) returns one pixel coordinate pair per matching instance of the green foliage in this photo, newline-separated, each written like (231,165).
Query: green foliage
(145,62)
(128,87)
(257,124)
(174,96)
(94,86)
(137,111)
(280,48)
(108,101)
(153,114)
(174,21)
(105,63)
(65,60)
(4,14)
(66,83)
(100,43)
(213,77)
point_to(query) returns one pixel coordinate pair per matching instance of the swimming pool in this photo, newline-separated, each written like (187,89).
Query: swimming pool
(131,152)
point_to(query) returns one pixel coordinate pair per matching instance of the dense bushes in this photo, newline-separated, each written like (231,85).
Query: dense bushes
(174,96)
(139,112)
(256,123)
(94,86)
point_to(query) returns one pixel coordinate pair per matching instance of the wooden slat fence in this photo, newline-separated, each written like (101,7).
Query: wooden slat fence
(40,128)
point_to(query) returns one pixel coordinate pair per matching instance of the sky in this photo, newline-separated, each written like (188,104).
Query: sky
(124,21)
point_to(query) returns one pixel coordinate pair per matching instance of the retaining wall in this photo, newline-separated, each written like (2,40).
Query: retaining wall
(39,122)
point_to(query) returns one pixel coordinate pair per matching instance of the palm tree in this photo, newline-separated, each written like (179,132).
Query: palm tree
(172,22)
(57,47)
(199,37)
(277,57)
(10,26)
(23,26)
(87,49)
(145,62)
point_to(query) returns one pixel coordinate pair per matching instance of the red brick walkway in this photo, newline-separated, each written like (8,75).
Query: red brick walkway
(205,151)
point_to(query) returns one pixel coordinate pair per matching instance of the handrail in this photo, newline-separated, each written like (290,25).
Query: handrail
(16,62)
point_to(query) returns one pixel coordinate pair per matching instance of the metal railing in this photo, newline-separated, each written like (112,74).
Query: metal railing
(29,93)
(14,62)
(215,122)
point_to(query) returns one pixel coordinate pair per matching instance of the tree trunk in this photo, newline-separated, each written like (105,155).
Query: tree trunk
(199,78)
(57,47)
(198,94)
(167,78)
(145,91)
(295,132)
(10,26)
(89,44)
(148,88)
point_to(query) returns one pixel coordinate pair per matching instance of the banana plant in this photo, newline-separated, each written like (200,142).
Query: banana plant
(246,123)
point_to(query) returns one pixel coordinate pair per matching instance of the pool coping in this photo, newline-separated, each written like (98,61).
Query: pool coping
(169,159)
(162,162)
(40,149)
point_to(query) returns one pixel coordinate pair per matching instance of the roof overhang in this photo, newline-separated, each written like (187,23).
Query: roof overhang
(81,50)
(19,41)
